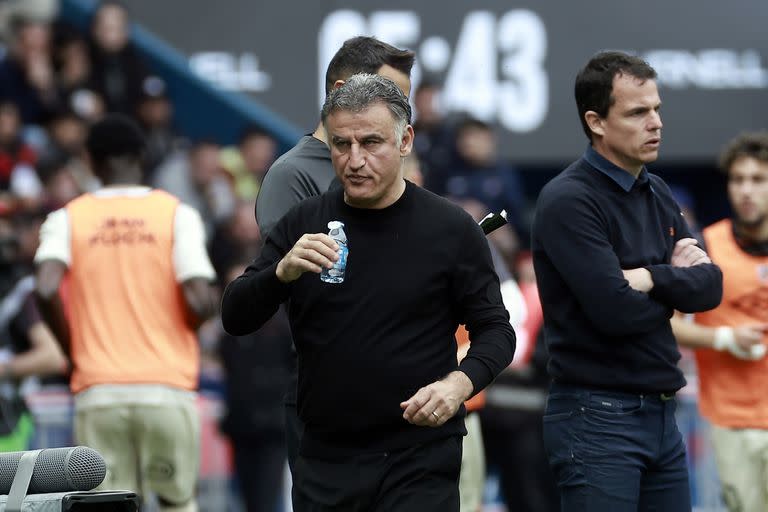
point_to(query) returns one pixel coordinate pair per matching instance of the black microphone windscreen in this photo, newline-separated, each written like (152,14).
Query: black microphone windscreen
(77,468)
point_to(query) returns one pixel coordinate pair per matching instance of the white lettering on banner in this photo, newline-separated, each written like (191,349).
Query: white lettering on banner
(717,68)
(470,84)
(230,72)
(496,70)
(524,96)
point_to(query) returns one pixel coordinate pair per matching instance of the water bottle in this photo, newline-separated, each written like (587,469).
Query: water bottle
(335,274)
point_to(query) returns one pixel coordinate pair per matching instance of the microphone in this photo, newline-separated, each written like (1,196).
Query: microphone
(77,468)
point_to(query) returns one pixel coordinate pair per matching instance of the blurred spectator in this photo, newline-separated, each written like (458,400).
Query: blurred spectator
(71,59)
(513,414)
(20,187)
(426,100)
(66,141)
(155,115)
(480,173)
(196,177)
(44,10)
(72,63)
(512,431)
(730,340)
(473,465)
(687,205)
(118,71)
(433,144)
(26,226)
(257,368)
(249,161)
(59,183)
(239,239)
(67,132)
(26,73)
(27,346)
(412,170)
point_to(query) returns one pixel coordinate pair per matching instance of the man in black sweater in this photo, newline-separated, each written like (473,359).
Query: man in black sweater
(380,391)
(306,170)
(613,258)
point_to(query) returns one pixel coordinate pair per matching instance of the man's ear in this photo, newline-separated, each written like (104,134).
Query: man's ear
(595,122)
(338,83)
(406,144)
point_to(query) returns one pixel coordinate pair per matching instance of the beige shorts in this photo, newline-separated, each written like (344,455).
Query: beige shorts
(742,463)
(148,435)
(472,476)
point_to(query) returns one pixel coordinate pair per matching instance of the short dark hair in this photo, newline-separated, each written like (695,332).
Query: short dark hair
(364,54)
(751,144)
(594,83)
(115,136)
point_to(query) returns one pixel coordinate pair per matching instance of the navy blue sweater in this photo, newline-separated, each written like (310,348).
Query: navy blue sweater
(592,221)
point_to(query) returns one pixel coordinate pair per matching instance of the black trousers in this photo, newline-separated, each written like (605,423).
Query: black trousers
(259,462)
(423,478)
(294,428)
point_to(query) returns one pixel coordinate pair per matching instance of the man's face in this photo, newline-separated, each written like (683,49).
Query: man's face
(204,164)
(748,190)
(630,135)
(258,152)
(367,156)
(111,28)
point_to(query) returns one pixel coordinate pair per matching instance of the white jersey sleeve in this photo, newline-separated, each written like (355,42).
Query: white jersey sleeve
(190,256)
(54,238)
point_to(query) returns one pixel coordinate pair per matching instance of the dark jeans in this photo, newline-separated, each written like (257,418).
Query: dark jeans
(423,478)
(615,452)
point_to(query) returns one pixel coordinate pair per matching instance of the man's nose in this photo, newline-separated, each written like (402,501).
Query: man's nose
(656,123)
(356,158)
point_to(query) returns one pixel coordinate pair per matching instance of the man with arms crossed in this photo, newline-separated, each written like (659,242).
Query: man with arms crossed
(138,284)
(733,372)
(613,259)
(306,170)
(380,391)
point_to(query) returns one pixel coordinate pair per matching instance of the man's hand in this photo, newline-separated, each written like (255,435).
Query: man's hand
(438,402)
(639,279)
(742,342)
(310,253)
(687,254)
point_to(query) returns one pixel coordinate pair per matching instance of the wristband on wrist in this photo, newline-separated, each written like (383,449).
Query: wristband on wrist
(724,338)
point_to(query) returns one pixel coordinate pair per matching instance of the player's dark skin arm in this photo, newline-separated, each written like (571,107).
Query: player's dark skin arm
(48,278)
(202,300)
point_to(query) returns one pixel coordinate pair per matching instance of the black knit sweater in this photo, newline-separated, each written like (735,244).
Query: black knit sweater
(416,269)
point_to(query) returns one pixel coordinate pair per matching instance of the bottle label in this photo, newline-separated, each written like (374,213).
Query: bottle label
(335,274)
(342,261)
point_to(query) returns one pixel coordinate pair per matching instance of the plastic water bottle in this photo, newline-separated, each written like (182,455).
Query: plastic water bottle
(335,274)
